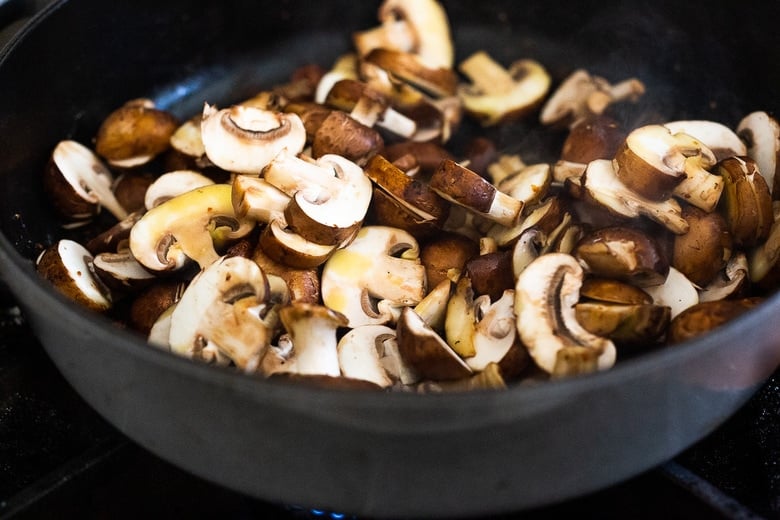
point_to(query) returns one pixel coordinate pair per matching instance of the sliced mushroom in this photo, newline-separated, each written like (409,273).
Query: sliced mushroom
(374,276)
(172,184)
(491,273)
(330,197)
(245,139)
(719,138)
(653,162)
(705,317)
(529,184)
(609,290)
(79,184)
(112,238)
(148,306)
(495,336)
(545,294)
(747,201)
(676,292)
(221,310)
(369,107)
(602,186)
(761,134)
(340,134)
(425,351)
(345,67)
(582,95)
(68,266)
(360,352)
(134,134)
(497,95)
(433,307)
(466,188)
(730,282)
(624,324)
(190,226)
(256,198)
(289,248)
(312,330)
(121,271)
(702,252)
(419,27)
(461,319)
(303,283)
(445,255)
(439,82)
(623,253)
(591,138)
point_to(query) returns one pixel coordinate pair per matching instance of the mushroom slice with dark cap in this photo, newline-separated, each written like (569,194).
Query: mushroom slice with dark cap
(243,139)
(747,201)
(761,134)
(78,183)
(222,308)
(545,294)
(312,329)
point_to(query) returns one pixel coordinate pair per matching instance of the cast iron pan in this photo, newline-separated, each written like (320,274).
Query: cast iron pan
(380,455)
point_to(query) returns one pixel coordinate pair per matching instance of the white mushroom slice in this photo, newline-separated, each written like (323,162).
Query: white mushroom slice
(289,248)
(79,183)
(605,188)
(417,26)
(256,198)
(382,264)
(653,162)
(160,332)
(187,139)
(564,170)
(545,294)
(68,266)
(761,133)
(121,269)
(173,184)
(732,278)
(495,332)
(220,310)
(360,353)
(433,307)
(244,139)
(581,95)
(496,94)
(677,292)
(312,330)
(719,138)
(504,166)
(461,320)
(188,226)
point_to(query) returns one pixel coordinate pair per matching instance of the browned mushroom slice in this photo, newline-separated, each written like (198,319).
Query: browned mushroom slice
(582,95)
(704,250)
(433,307)
(68,266)
(302,283)
(289,248)
(497,94)
(417,26)
(417,196)
(121,271)
(369,107)
(437,81)
(134,134)
(747,202)
(529,184)
(491,273)
(730,282)
(340,134)
(79,184)
(600,185)
(623,253)
(464,187)
(706,317)
(609,290)
(597,137)
(245,139)
(112,238)
(761,134)
(545,294)
(425,351)
(148,305)
(637,324)
(445,255)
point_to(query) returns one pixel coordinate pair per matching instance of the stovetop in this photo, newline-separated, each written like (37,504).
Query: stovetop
(58,458)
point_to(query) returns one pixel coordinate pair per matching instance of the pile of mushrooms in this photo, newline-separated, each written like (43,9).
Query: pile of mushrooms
(325,231)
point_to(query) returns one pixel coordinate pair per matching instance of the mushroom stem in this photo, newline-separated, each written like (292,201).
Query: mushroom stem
(487,74)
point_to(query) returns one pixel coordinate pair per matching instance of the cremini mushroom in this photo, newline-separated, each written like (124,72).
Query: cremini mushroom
(172,184)
(425,351)
(761,134)
(121,271)
(702,252)
(591,138)
(601,185)
(582,95)
(497,94)
(445,255)
(747,201)
(68,266)
(369,107)
(730,282)
(243,139)
(676,292)
(420,27)
(78,183)
(373,277)
(361,352)
(221,312)
(312,330)
(545,294)
(134,134)
(529,185)
(190,226)
(705,317)
(256,198)
(303,283)
(287,247)
(329,196)
(466,188)
(719,138)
